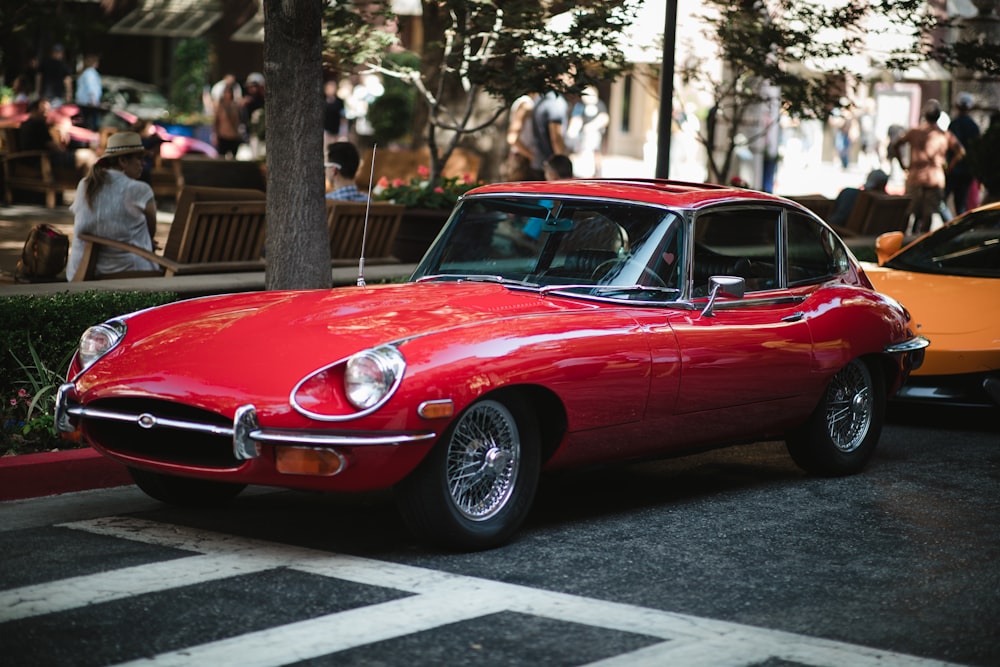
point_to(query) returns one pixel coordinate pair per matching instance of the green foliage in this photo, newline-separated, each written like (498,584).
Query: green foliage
(190,75)
(480,55)
(391,114)
(352,37)
(39,335)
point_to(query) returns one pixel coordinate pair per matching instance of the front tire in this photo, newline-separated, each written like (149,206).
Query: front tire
(843,431)
(184,491)
(476,486)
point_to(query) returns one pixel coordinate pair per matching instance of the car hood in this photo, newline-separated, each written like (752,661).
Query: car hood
(230,343)
(942,304)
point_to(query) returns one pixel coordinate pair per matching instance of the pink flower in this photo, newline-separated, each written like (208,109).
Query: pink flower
(467,179)
(383,182)
(439,189)
(22,393)
(424,171)
(13,401)
(397,182)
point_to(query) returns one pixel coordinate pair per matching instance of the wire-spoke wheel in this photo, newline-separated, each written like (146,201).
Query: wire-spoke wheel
(484,454)
(849,407)
(476,486)
(841,434)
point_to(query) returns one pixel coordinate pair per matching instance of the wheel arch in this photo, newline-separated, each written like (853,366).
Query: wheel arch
(540,401)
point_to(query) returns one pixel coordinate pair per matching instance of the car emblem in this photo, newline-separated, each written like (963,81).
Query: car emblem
(146,420)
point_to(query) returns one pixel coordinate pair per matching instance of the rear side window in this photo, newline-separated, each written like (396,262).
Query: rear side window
(815,253)
(736,242)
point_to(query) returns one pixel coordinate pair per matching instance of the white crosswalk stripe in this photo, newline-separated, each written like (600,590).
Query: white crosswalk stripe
(437,599)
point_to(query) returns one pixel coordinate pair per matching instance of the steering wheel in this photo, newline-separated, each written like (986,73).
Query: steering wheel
(604,267)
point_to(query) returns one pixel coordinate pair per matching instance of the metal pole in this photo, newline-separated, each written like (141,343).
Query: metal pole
(666,92)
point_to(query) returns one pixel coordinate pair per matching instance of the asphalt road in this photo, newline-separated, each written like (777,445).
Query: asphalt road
(731,557)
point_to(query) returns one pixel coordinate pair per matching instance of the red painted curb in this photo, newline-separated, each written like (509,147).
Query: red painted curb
(49,473)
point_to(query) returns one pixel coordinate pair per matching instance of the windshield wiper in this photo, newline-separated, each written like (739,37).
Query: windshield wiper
(610,289)
(479,278)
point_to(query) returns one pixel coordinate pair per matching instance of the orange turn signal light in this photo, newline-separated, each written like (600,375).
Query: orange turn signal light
(436,409)
(309,461)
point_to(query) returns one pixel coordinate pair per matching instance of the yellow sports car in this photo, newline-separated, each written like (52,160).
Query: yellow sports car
(949,280)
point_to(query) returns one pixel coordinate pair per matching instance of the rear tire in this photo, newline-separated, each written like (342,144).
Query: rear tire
(475,488)
(843,431)
(184,491)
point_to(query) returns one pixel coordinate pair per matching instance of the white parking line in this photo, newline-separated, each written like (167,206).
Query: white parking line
(438,599)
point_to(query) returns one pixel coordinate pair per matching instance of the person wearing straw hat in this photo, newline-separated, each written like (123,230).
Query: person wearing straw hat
(112,203)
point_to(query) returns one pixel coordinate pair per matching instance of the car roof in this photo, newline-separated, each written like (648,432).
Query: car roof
(649,191)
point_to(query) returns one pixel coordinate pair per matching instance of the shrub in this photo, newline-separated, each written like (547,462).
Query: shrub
(38,335)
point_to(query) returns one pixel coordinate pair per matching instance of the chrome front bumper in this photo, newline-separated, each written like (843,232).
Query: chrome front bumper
(245,432)
(912,348)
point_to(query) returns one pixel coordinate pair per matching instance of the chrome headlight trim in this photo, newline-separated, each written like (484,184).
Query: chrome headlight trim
(371,376)
(98,340)
(390,366)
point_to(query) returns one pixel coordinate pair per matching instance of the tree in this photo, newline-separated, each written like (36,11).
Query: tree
(295,52)
(298,250)
(797,46)
(480,55)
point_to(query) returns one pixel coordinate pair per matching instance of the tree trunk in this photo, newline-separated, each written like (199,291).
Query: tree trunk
(298,246)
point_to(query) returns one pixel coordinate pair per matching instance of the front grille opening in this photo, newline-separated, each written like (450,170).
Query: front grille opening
(168,445)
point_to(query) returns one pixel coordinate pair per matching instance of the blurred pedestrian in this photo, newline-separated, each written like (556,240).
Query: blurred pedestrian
(252,110)
(25,82)
(53,80)
(925,170)
(585,133)
(521,142)
(226,124)
(876,181)
(112,203)
(342,164)
(959,181)
(558,167)
(333,113)
(89,92)
(549,119)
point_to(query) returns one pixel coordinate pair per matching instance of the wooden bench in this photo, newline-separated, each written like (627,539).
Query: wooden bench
(875,213)
(36,171)
(215,230)
(222,173)
(821,205)
(346,225)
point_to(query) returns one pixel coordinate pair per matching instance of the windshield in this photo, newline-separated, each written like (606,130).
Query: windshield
(598,248)
(969,247)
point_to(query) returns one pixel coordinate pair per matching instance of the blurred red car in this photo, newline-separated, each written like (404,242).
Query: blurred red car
(67,118)
(550,325)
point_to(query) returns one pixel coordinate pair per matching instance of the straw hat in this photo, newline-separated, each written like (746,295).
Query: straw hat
(123,143)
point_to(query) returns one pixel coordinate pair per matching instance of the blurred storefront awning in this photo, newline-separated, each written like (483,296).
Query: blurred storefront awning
(170,18)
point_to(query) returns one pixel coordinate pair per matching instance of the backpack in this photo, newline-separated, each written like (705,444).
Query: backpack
(44,255)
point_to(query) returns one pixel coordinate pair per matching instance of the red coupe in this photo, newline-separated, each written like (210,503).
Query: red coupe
(550,325)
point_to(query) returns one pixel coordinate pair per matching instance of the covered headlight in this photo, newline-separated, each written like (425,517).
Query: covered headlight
(371,376)
(99,340)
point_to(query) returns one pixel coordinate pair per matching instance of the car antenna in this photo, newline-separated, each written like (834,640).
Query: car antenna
(364,233)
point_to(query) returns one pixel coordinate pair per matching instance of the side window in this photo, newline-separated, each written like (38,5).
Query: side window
(814,252)
(736,242)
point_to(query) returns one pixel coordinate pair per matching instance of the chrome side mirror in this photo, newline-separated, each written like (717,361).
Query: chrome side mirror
(731,286)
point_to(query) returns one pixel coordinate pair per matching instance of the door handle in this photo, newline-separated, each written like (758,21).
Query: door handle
(794,317)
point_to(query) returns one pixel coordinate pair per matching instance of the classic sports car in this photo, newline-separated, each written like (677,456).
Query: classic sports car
(549,325)
(950,281)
